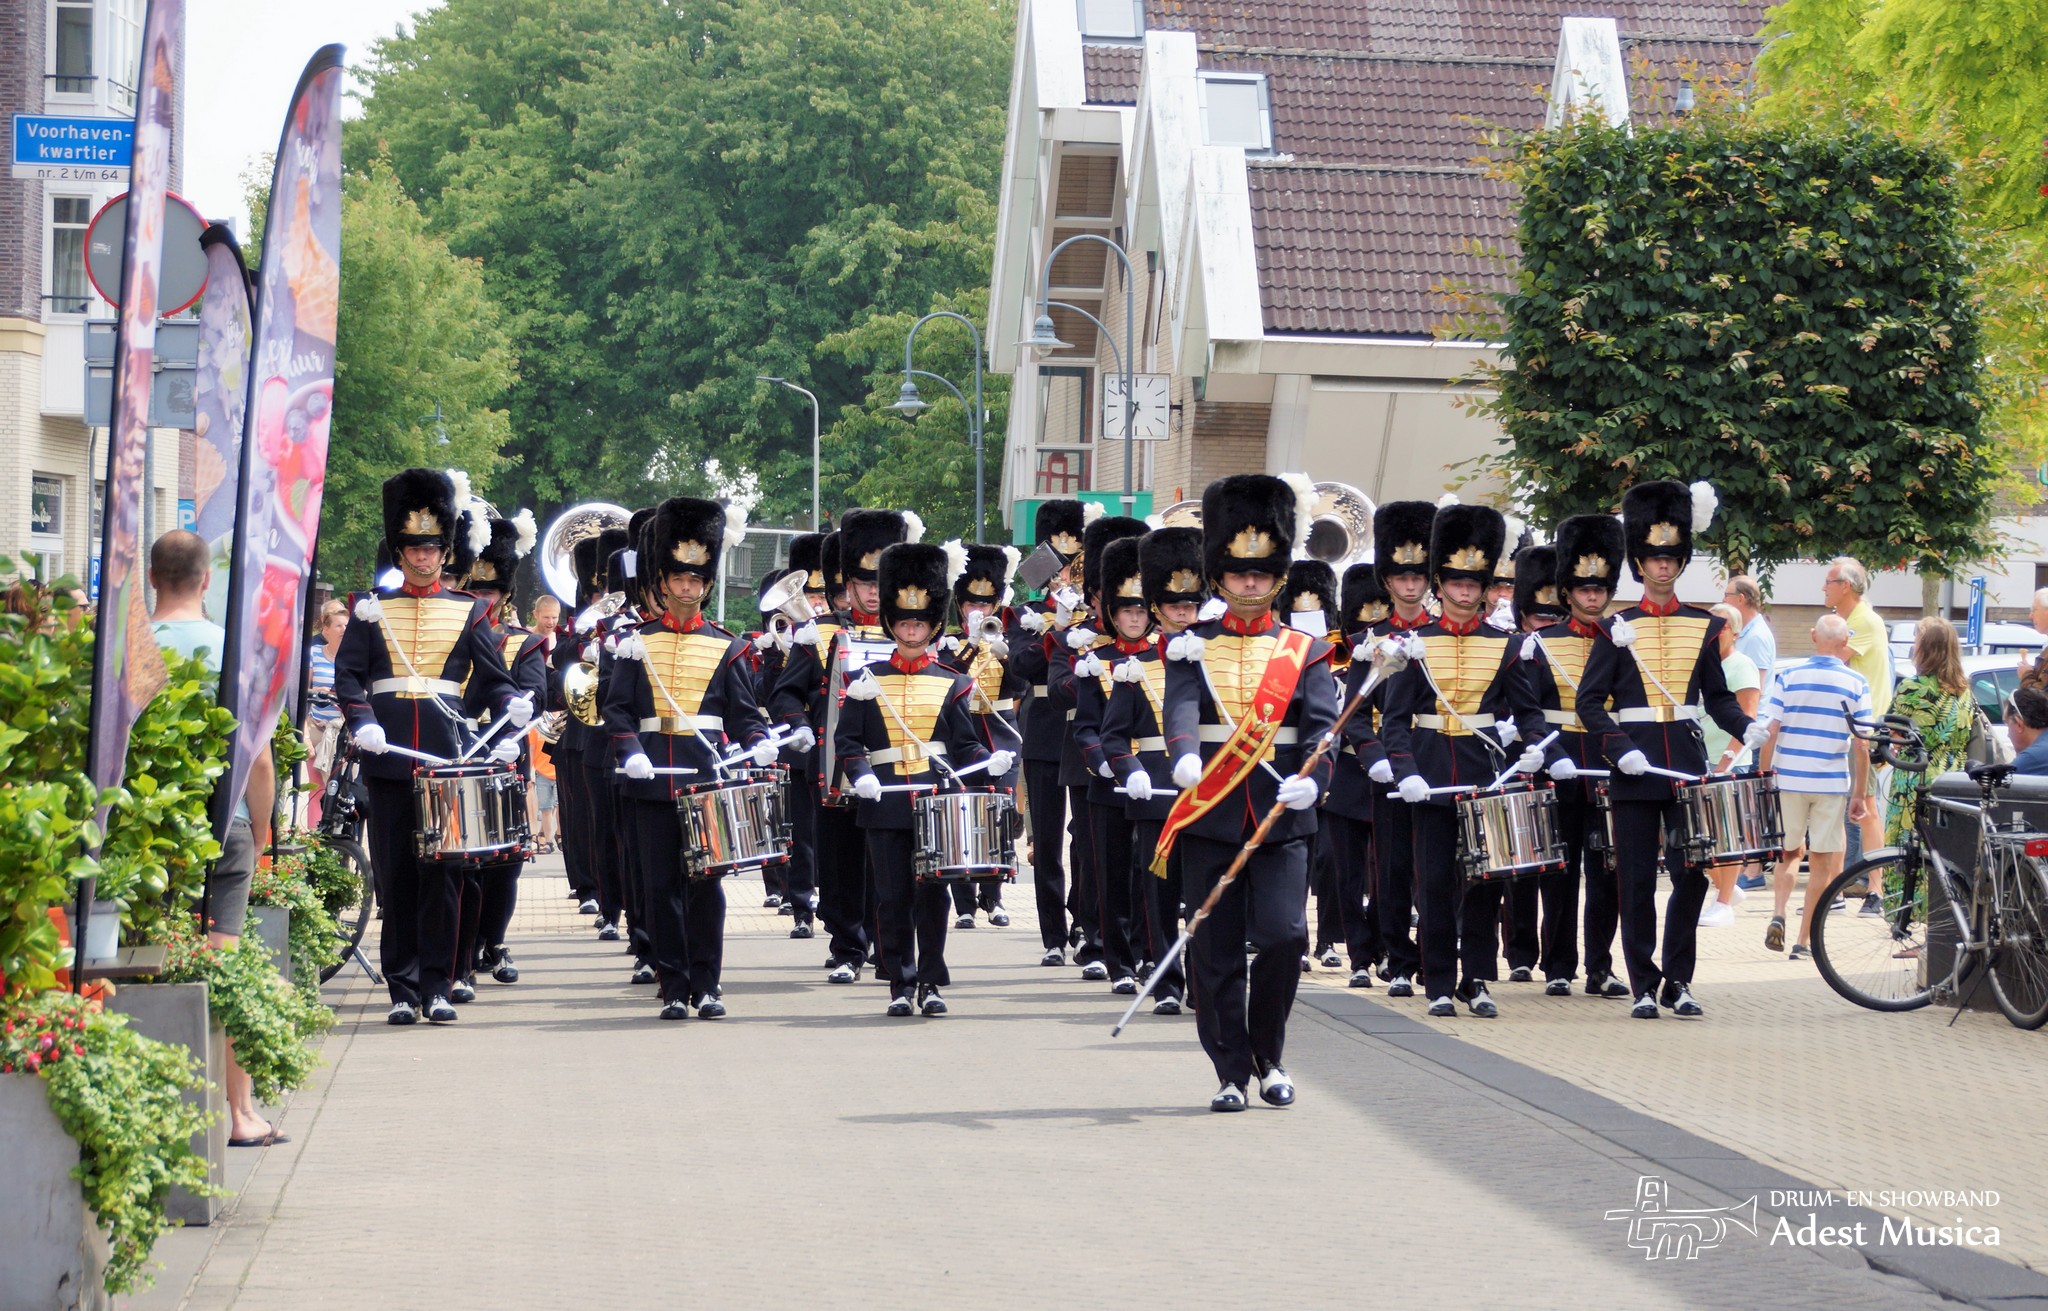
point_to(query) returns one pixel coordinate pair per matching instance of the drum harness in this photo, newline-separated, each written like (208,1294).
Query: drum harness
(1642,667)
(465,731)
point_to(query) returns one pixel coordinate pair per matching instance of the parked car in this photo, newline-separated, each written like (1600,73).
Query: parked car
(1993,677)
(2001,639)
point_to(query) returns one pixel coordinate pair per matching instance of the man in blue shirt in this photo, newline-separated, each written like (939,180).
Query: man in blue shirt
(2026,718)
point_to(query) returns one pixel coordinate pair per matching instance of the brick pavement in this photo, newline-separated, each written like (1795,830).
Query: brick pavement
(561,1147)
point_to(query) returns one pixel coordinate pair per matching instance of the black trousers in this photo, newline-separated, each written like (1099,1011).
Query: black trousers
(799,876)
(1458,922)
(842,885)
(1558,893)
(575,808)
(1048,803)
(1085,900)
(1241,1007)
(910,917)
(1521,935)
(1640,827)
(604,848)
(970,895)
(1393,891)
(422,899)
(1603,909)
(633,862)
(1350,846)
(688,929)
(1157,901)
(489,895)
(1116,930)
(1324,879)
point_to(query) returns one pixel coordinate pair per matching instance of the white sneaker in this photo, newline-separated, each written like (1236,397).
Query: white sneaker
(1719,915)
(1740,895)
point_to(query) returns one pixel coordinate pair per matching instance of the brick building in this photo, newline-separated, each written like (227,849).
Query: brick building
(76,58)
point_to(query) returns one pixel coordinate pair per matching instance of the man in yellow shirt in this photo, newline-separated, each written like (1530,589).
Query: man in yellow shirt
(1869,655)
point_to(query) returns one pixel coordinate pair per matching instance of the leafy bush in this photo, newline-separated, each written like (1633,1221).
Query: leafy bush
(121,1096)
(314,941)
(269,1020)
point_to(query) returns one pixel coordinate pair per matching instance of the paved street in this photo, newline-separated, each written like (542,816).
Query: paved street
(560,1146)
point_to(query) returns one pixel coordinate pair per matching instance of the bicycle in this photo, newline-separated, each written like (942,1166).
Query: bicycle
(1999,909)
(341,832)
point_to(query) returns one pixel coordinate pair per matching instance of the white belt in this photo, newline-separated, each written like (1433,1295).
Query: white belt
(1148,744)
(1038,689)
(1656,714)
(1563,719)
(1438,722)
(1007,703)
(1070,716)
(894,755)
(683,724)
(415,687)
(1282,737)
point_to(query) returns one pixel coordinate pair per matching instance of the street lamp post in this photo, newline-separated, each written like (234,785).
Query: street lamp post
(909,403)
(784,382)
(1043,339)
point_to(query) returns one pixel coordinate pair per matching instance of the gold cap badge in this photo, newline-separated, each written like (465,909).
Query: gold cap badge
(1470,558)
(1064,543)
(1183,581)
(1590,566)
(1546,596)
(1411,553)
(1663,534)
(912,598)
(1373,611)
(691,553)
(483,571)
(981,587)
(816,582)
(1507,569)
(1307,602)
(1251,544)
(871,561)
(423,523)
(1131,587)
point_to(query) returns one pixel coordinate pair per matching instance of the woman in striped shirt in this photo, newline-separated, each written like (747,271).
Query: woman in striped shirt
(323,717)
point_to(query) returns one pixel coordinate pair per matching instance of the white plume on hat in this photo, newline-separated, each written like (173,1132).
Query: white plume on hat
(523,521)
(913,526)
(1304,509)
(1012,557)
(956,560)
(1090,512)
(479,526)
(1448,498)
(462,490)
(1704,503)
(735,525)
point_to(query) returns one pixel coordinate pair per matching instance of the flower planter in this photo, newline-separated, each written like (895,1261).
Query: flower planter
(272,925)
(53,1254)
(177,1013)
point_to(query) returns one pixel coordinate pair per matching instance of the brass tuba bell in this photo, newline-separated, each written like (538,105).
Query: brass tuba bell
(576,524)
(1340,526)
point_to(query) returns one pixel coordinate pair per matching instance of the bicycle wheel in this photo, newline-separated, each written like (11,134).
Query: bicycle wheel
(1875,960)
(353,921)
(2019,944)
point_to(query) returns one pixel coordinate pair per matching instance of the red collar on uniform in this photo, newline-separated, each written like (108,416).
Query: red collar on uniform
(1132,648)
(675,625)
(1248,627)
(1582,629)
(1457,629)
(1400,625)
(865,621)
(428,590)
(1656,611)
(916,666)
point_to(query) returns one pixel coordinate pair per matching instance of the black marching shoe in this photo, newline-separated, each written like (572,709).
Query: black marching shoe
(1166,1006)
(899,1007)
(1521,974)
(589,906)
(460,992)
(1558,988)
(642,972)
(1442,1008)
(1480,1002)
(964,921)
(675,1008)
(1275,1088)
(788,908)
(1644,1009)
(441,1011)
(1095,971)
(402,1013)
(999,917)
(504,971)
(1053,956)
(1361,978)
(1229,1097)
(607,931)
(1677,999)
(1605,985)
(1329,959)
(929,1001)
(772,901)
(710,1008)
(802,929)
(1125,987)
(844,972)
(1400,986)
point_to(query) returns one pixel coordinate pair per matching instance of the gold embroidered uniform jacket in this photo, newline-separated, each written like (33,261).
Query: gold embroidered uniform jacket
(995,695)
(798,697)
(933,702)
(1471,670)
(709,683)
(1625,712)
(1133,739)
(448,638)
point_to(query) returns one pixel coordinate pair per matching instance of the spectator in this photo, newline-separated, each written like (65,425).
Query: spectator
(1820,767)
(323,717)
(2034,669)
(1746,683)
(179,572)
(1870,654)
(547,615)
(1937,700)
(1754,637)
(2026,718)
(542,800)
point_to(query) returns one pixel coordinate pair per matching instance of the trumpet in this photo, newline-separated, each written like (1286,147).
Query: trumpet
(990,629)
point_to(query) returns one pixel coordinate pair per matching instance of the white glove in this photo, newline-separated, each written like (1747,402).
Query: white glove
(1563,770)
(868,788)
(763,754)
(1633,764)
(370,738)
(1080,639)
(1755,735)
(1187,646)
(807,635)
(1032,621)
(1104,770)
(1001,763)
(1381,771)
(1506,731)
(1088,666)
(638,766)
(520,711)
(998,648)
(1414,789)
(506,751)
(1187,771)
(1530,760)
(801,740)
(1296,793)
(1138,787)
(763,641)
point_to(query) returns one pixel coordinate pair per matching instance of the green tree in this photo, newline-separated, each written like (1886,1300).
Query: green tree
(1785,311)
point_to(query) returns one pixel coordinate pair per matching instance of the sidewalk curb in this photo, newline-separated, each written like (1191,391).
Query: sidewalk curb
(1957,1273)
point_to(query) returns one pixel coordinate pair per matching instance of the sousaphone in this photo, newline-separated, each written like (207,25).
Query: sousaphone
(578,523)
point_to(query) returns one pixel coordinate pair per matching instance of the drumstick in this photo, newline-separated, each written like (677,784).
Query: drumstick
(660,769)
(1671,773)
(1389,659)
(418,755)
(1516,768)
(478,745)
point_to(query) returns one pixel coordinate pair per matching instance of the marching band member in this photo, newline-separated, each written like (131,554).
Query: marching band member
(607,817)
(1105,951)
(800,883)
(1400,533)
(1549,674)
(1539,923)
(1656,662)
(1441,731)
(766,651)
(578,730)
(681,689)
(1245,694)
(1118,600)
(899,715)
(1308,602)
(398,672)
(1134,738)
(1057,526)
(981,650)
(1346,825)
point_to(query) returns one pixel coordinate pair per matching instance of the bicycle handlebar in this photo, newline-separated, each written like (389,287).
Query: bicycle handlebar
(1897,740)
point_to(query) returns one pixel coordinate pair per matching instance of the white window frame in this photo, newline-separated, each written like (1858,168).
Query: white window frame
(124,53)
(51,94)
(1135,36)
(46,539)
(52,309)
(1209,77)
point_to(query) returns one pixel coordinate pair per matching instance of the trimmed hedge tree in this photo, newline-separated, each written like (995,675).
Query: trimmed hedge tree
(1786,312)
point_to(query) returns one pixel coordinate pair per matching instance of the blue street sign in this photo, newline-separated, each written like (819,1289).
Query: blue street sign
(1973,632)
(64,148)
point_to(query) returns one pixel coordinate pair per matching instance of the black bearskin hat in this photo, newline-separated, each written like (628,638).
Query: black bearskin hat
(1464,542)
(1589,548)
(419,510)
(1170,560)
(1118,573)
(986,579)
(1249,525)
(1365,601)
(610,543)
(1658,517)
(1400,539)
(805,553)
(636,528)
(1536,594)
(1311,587)
(1098,534)
(1516,537)
(828,564)
(461,556)
(589,570)
(686,536)
(496,564)
(1059,524)
(913,582)
(865,534)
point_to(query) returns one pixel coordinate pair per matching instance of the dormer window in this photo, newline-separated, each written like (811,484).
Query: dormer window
(1112,20)
(1236,111)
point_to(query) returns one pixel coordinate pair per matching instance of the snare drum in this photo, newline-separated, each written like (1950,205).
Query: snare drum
(469,814)
(964,835)
(739,824)
(1600,828)
(1510,833)
(1732,820)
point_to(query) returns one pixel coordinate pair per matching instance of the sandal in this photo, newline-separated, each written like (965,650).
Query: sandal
(269,1136)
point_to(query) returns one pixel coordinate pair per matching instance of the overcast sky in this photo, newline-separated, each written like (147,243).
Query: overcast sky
(242,59)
